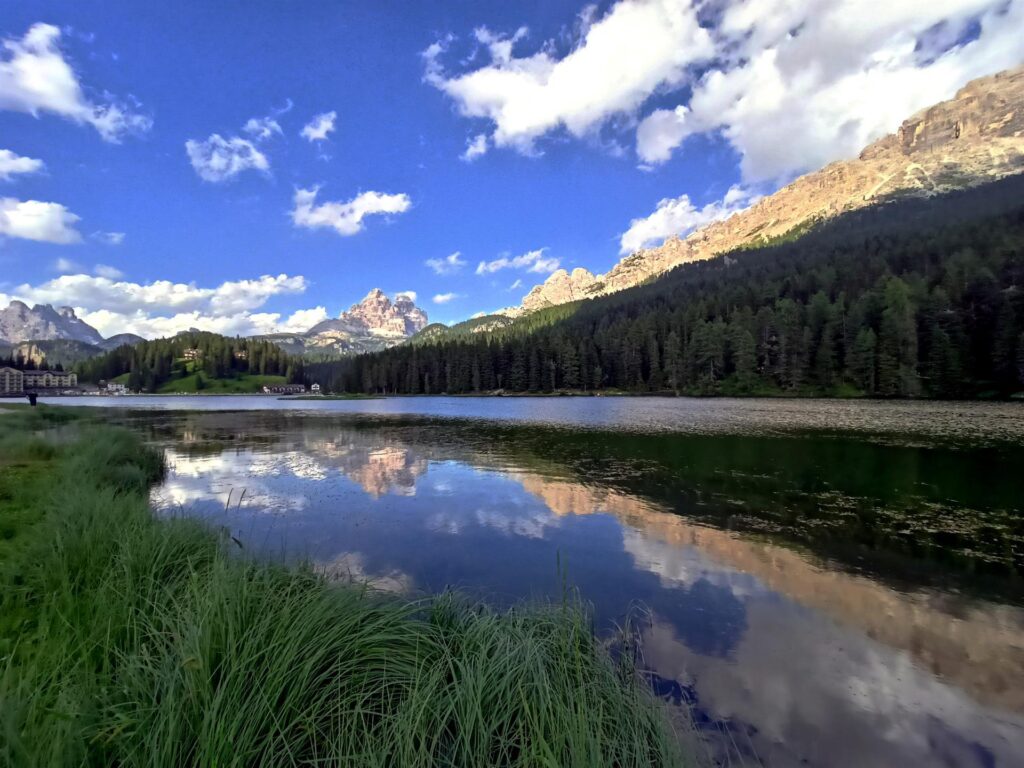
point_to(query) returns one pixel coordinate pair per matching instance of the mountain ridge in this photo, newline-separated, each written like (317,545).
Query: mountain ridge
(974,138)
(19,323)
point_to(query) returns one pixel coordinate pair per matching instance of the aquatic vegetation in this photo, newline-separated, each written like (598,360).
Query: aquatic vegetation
(130,640)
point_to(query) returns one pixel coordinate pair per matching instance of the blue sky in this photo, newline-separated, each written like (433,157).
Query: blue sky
(597,129)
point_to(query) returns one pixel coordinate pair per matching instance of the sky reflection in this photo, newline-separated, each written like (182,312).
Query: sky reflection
(788,657)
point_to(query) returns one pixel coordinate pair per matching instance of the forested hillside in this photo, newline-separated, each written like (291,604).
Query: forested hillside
(198,356)
(913,298)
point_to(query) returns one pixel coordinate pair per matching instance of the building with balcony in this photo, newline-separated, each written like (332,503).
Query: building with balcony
(49,379)
(12,381)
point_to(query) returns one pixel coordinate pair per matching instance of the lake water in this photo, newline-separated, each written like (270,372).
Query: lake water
(825,583)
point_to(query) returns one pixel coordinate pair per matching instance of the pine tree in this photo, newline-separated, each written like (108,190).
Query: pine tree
(862,360)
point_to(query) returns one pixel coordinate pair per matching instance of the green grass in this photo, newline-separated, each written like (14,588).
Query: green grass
(245,383)
(131,641)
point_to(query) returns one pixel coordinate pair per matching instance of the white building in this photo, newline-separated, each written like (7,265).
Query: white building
(12,381)
(49,379)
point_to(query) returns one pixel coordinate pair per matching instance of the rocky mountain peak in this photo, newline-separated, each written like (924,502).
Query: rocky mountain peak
(369,325)
(560,287)
(42,322)
(974,138)
(378,315)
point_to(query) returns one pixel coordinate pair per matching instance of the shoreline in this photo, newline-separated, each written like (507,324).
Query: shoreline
(94,628)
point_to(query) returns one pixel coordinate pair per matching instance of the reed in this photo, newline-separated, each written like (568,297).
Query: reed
(133,641)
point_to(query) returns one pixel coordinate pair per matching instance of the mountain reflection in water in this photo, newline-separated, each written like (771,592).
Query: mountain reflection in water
(792,654)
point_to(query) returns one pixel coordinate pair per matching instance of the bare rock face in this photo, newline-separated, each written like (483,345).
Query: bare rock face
(374,323)
(42,322)
(560,287)
(974,138)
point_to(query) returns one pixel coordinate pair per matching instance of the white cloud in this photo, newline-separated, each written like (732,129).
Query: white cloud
(120,296)
(65,265)
(517,284)
(449,265)
(444,298)
(800,84)
(660,133)
(219,159)
(410,295)
(163,308)
(345,218)
(791,84)
(475,147)
(303,319)
(617,63)
(108,238)
(11,164)
(680,217)
(35,78)
(532,261)
(35,220)
(105,270)
(262,128)
(318,128)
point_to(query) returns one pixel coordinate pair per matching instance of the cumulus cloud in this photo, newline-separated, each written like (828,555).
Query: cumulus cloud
(105,270)
(108,238)
(475,147)
(35,78)
(345,218)
(12,164)
(302,320)
(318,128)
(218,159)
(35,220)
(790,84)
(799,84)
(679,216)
(444,298)
(532,261)
(262,128)
(410,295)
(163,308)
(449,265)
(615,65)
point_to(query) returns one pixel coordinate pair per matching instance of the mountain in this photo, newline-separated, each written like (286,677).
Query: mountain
(120,340)
(921,297)
(972,139)
(42,322)
(475,325)
(50,352)
(373,324)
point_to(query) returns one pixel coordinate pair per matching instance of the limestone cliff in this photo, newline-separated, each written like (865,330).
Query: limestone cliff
(974,138)
(374,323)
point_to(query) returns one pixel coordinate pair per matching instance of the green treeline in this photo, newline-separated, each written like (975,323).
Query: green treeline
(150,364)
(15,359)
(920,298)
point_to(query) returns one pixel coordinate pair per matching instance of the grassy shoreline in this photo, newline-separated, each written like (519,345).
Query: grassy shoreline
(129,640)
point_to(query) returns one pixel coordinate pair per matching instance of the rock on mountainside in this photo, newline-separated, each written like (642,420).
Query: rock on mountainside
(974,138)
(373,324)
(42,322)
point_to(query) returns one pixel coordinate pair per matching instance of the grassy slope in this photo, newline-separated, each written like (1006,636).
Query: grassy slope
(128,640)
(244,383)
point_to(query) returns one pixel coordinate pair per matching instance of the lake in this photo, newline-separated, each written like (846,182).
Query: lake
(825,583)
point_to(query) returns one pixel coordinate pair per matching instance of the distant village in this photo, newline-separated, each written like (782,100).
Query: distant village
(19,383)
